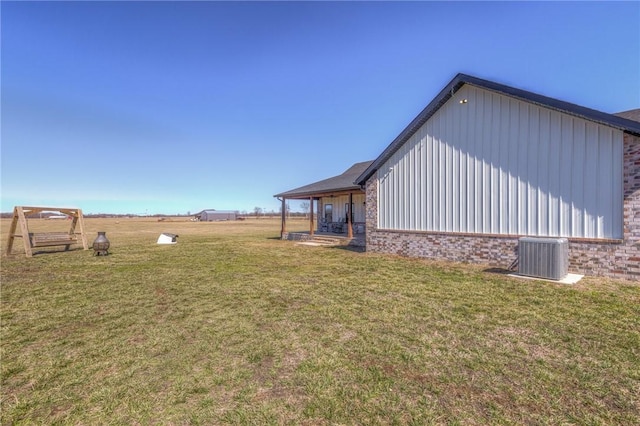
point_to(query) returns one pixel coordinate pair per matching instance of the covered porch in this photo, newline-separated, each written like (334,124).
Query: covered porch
(336,205)
(332,214)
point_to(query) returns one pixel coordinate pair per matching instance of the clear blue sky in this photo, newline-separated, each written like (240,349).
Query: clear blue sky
(170,107)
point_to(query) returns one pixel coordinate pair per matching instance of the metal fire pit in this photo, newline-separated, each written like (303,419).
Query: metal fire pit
(101,245)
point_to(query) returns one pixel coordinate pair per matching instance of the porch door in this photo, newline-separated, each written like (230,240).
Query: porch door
(328,213)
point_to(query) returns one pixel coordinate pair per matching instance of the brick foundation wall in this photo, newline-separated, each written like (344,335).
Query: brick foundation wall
(617,259)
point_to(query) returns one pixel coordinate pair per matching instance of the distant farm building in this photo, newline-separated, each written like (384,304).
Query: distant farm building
(216,215)
(58,216)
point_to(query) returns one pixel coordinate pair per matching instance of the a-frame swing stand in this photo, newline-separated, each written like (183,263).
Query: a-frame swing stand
(46,239)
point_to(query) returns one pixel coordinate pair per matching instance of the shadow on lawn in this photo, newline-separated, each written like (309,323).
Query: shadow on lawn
(499,271)
(355,249)
(45,252)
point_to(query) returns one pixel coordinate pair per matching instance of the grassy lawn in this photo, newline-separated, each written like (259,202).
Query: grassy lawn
(233,326)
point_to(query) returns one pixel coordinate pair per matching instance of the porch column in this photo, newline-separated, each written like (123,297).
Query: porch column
(284,218)
(350,217)
(310,215)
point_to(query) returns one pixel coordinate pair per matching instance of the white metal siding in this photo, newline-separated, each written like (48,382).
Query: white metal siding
(339,204)
(496,165)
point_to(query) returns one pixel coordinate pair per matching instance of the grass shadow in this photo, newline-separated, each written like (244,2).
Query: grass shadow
(355,249)
(499,271)
(51,251)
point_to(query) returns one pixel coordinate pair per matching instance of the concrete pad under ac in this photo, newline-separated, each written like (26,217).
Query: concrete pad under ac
(569,279)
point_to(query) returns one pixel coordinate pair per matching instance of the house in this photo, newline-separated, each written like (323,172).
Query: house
(213,215)
(484,164)
(338,200)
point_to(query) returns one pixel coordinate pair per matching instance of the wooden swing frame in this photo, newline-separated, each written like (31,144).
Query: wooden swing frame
(46,239)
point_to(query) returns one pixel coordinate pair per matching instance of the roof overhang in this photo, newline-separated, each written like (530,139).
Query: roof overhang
(337,185)
(319,194)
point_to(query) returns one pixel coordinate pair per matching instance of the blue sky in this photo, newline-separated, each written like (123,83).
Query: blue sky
(173,107)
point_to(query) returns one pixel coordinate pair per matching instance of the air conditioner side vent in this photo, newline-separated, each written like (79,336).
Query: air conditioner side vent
(543,257)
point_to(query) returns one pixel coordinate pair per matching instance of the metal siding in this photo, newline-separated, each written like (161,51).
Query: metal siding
(589,188)
(577,178)
(404,183)
(471,167)
(381,196)
(411,185)
(493,167)
(566,174)
(532,187)
(424,181)
(399,193)
(422,207)
(437,188)
(339,203)
(501,131)
(432,176)
(405,200)
(497,165)
(543,156)
(461,137)
(449,183)
(523,163)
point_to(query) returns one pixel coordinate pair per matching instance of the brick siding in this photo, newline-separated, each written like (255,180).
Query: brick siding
(617,259)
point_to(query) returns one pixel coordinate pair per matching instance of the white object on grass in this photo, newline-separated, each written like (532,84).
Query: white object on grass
(165,238)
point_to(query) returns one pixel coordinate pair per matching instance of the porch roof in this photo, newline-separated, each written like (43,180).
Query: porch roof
(344,182)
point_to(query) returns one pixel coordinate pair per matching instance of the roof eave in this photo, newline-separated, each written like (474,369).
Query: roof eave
(589,114)
(317,194)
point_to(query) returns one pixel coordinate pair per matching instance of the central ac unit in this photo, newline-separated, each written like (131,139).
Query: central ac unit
(543,257)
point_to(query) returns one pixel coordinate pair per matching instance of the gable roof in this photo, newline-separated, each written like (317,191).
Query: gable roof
(632,114)
(616,121)
(342,182)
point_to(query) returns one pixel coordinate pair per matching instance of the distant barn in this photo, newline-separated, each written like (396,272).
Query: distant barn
(216,215)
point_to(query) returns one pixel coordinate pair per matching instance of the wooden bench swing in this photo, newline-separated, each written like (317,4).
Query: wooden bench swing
(33,240)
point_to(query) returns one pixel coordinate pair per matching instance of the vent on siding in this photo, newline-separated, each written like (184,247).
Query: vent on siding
(543,257)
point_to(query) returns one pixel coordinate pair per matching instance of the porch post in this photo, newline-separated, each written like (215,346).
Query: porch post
(284,218)
(350,217)
(310,215)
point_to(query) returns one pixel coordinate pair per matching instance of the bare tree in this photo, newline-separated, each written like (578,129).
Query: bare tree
(257,211)
(305,208)
(287,210)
